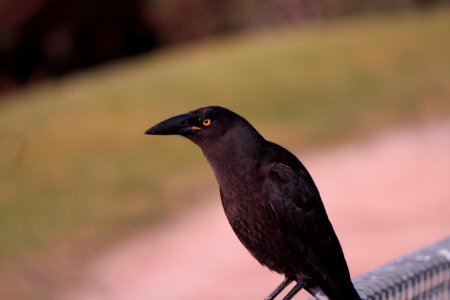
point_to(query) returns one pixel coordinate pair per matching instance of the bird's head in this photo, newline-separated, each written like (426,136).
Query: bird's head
(223,135)
(205,125)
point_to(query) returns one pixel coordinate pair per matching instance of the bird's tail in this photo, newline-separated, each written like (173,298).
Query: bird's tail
(350,294)
(347,294)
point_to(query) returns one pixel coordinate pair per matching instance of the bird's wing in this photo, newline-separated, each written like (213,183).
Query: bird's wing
(295,204)
(291,198)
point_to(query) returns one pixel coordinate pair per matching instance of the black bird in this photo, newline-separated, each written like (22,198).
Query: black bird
(271,202)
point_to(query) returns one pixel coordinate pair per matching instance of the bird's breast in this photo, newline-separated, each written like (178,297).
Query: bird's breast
(244,204)
(252,223)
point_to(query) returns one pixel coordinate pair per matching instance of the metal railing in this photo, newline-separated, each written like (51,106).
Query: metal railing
(424,274)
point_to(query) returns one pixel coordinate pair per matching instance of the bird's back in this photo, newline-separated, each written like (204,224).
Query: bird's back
(276,211)
(299,211)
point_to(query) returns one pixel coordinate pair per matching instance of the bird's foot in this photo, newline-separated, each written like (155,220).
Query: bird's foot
(279,289)
(295,290)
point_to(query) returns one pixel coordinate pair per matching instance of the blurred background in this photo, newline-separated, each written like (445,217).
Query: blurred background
(80,81)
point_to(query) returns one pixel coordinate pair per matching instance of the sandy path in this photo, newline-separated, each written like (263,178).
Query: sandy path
(386,196)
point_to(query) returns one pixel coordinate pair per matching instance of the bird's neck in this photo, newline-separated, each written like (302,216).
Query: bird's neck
(235,156)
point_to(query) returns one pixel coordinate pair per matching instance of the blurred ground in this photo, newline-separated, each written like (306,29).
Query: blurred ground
(386,196)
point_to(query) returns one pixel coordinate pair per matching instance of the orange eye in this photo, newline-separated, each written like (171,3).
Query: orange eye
(206,122)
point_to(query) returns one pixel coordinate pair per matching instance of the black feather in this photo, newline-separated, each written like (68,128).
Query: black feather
(271,202)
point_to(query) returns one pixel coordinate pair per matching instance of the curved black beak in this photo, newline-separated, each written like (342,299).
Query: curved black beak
(175,125)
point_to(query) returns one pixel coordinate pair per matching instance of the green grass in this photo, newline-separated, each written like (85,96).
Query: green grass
(76,167)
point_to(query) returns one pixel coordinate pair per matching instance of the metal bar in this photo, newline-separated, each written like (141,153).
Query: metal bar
(421,275)
(424,274)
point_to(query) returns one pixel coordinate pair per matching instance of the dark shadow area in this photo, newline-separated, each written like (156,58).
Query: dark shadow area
(49,38)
